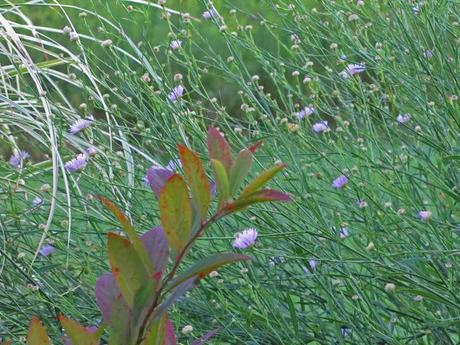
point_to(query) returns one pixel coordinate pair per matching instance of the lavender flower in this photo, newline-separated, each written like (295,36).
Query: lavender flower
(37,201)
(344,233)
(81,124)
(17,158)
(176,44)
(340,182)
(424,215)
(91,151)
(403,118)
(416,9)
(345,331)
(46,250)
(176,93)
(361,203)
(352,69)
(320,127)
(76,164)
(307,111)
(313,264)
(208,14)
(245,239)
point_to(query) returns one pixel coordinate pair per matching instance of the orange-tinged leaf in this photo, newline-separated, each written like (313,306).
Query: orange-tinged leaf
(196,180)
(37,333)
(219,149)
(127,267)
(129,229)
(176,212)
(255,147)
(240,170)
(78,334)
(222,183)
(262,179)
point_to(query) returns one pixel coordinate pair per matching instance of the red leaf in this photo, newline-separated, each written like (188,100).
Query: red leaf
(219,149)
(255,147)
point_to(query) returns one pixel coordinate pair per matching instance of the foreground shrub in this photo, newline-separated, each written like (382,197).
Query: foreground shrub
(135,297)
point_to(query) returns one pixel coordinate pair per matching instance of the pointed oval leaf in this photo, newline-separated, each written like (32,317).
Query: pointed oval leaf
(203,267)
(157,177)
(156,245)
(127,267)
(222,183)
(240,170)
(264,195)
(262,179)
(196,179)
(161,332)
(130,231)
(176,212)
(119,329)
(219,149)
(106,292)
(78,334)
(37,333)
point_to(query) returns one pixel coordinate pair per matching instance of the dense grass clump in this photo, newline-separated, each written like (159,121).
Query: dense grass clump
(358,98)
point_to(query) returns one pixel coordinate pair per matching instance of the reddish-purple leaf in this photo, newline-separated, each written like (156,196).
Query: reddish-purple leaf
(219,149)
(240,170)
(264,195)
(156,245)
(37,333)
(176,212)
(203,267)
(161,332)
(255,147)
(196,179)
(157,177)
(170,332)
(106,292)
(206,337)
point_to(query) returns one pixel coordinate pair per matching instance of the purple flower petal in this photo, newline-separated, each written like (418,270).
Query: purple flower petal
(46,250)
(17,158)
(245,239)
(340,182)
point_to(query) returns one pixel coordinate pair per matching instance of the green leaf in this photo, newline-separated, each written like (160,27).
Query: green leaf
(176,212)
(127,267)
(161,332)
(78,334)
(130,231)
(37,333)
(222,184)
(240,170)
(203,267)
(119,328)
(196,180)
(264,195)
(219,149)
(262,179)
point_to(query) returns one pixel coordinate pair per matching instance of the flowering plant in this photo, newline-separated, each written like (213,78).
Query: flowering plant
(135,296)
